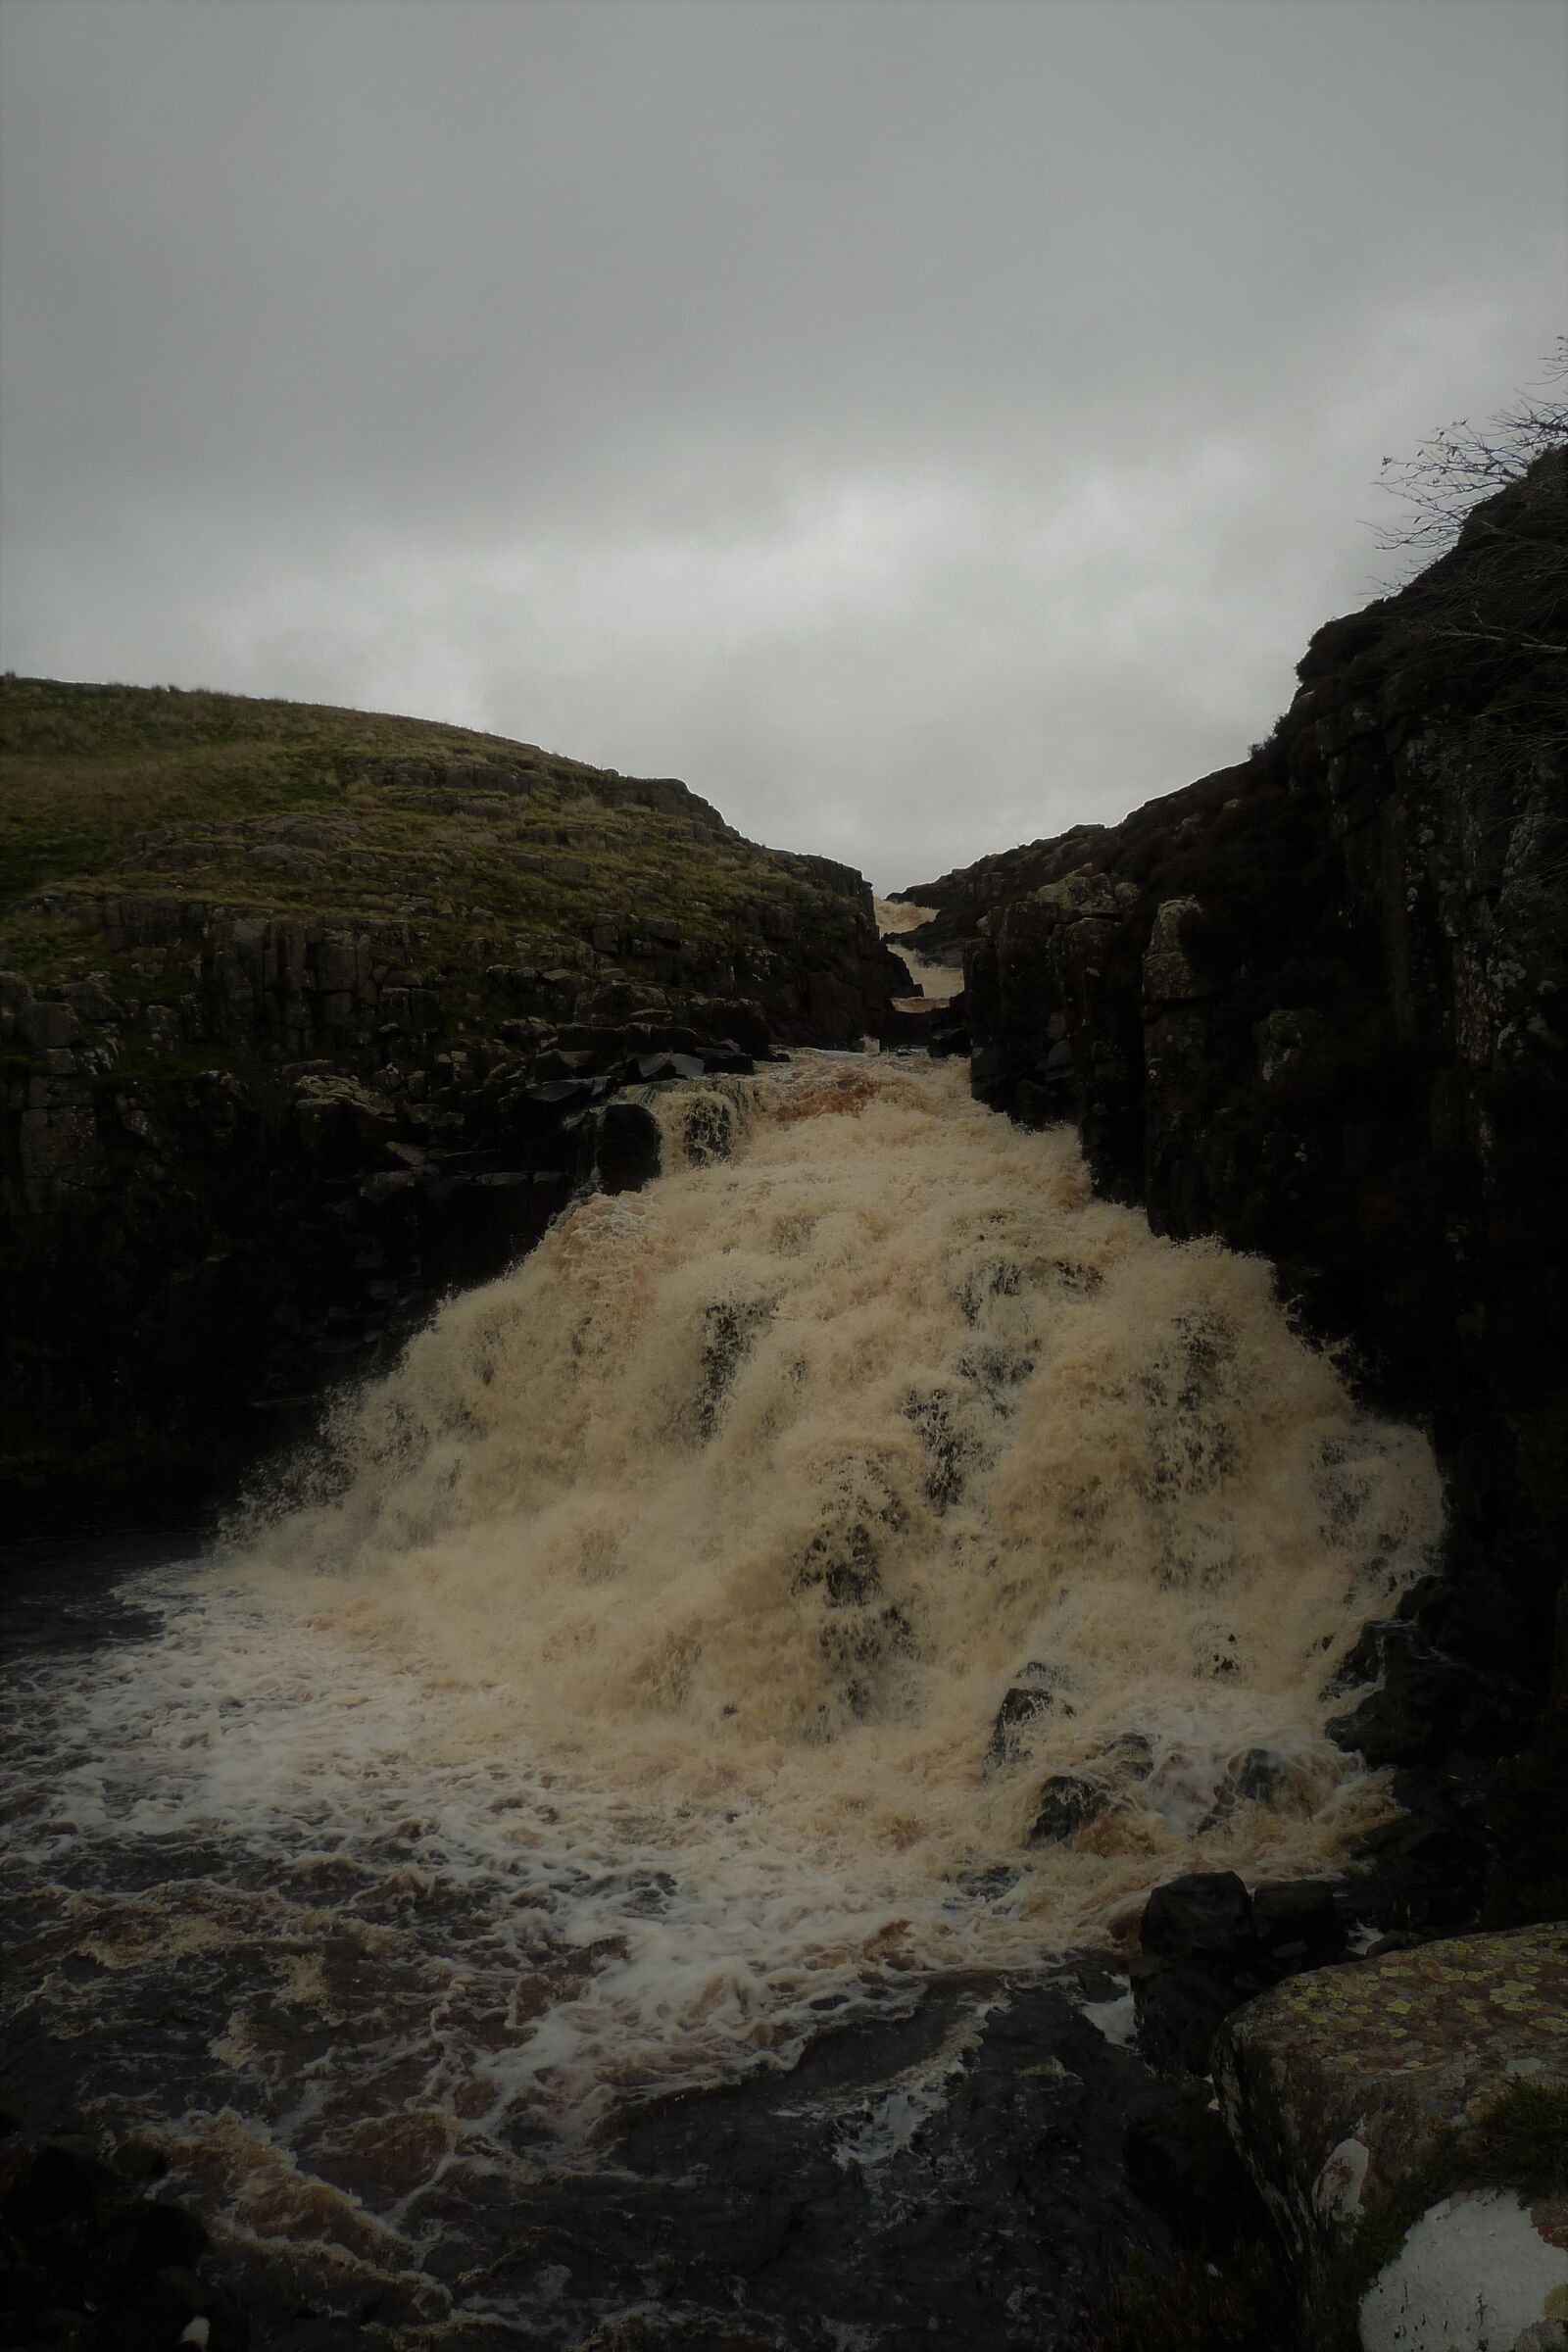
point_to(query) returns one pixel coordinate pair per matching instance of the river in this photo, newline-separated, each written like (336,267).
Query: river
(559,1870)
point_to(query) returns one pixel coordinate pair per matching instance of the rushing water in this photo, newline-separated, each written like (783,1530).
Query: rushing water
(934,983)
(618,1710)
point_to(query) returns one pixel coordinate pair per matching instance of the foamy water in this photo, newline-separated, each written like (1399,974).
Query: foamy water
(628,1711)
(935,982)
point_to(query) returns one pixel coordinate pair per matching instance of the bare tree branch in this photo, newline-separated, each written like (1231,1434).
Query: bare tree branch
(1462,464)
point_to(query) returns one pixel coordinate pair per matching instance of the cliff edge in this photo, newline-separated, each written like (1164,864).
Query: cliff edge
(1316,1004)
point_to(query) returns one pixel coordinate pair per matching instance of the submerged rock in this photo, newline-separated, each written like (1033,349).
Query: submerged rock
(1066,1805)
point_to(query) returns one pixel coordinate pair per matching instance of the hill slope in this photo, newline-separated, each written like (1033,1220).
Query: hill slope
(503,858)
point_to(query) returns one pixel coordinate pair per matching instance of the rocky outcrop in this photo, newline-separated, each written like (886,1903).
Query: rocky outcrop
(91,2257)
(1316,1004)
(1405,2121)
(1206,1945)
(272,1082)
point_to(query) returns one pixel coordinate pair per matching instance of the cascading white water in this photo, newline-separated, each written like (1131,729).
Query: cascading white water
(935,982)
(639,1698)
(740,1507)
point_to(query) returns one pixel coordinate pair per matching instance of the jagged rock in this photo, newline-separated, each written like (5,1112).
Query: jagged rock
(1066,1805)
(559,1095)
(1315,1005)
(1200,1956)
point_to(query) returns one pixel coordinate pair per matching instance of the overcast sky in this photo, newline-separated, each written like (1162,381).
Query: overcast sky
(921,424)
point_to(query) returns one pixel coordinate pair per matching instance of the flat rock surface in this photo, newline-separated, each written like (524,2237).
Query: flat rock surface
(1340,2083)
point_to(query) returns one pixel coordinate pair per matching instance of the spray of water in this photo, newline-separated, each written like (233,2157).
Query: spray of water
(860,1555)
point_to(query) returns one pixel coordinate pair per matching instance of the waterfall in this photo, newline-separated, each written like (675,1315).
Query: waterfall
(862,1554)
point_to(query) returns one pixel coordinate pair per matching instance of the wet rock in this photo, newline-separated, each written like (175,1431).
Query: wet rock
(1066,1805)
(1129,1756)
(993,2219)
(145,2237)
(1428,1706)
(1009,1734)
(948,1032)
(1425,1868)
(1183,2163)
(166,2312)
(1263,1777)
(89,2259)
(1298,1923)
(1259,1777)
(627,1150)
(993,1076)
(1200,1957)
(1206,1915)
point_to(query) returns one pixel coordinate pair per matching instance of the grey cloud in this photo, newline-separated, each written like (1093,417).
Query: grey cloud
(920,425)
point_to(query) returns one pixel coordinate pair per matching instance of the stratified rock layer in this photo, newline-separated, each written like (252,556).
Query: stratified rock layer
(308,1015)
(1316,1004)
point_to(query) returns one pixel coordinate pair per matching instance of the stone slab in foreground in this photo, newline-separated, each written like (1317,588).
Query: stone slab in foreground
(1406,2122)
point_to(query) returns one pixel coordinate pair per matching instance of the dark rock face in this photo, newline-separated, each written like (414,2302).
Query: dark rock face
(246,1244)
(1207,1945)
(1316,1004)
(268,1091)
(87,2258)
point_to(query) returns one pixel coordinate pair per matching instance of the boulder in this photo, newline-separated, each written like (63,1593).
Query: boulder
(1405,2121)
(1208,1915)
(1200,1957)
(1066,1805)
(1009,1732)
(1298,1923)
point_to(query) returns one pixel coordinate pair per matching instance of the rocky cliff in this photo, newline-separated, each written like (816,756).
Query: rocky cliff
(1316,1004)
(305,1014)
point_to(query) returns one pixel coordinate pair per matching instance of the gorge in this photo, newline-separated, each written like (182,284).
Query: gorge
(636,1828)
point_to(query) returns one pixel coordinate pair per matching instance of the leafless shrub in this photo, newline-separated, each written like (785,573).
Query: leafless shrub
(1462,464)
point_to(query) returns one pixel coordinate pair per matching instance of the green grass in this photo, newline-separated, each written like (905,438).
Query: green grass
(497,851)
(84,770)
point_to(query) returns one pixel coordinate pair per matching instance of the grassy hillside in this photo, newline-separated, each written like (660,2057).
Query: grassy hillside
(296,810)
